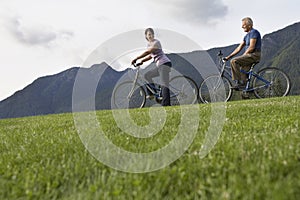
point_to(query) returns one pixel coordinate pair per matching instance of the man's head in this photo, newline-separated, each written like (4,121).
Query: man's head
(247,24)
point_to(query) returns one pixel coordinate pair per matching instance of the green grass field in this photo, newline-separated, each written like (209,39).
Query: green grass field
(256,157)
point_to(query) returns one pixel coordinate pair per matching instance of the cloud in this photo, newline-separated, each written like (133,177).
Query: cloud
(195,11)
(36,35)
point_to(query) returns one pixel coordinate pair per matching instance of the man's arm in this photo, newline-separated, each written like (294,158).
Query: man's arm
(236,51)
(251,46)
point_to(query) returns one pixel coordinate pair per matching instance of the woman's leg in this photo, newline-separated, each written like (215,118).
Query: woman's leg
(164,72)
(149,78)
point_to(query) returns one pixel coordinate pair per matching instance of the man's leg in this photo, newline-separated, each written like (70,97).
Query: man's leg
(242,62)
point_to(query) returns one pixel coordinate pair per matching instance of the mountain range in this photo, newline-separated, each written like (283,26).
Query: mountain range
(54,94)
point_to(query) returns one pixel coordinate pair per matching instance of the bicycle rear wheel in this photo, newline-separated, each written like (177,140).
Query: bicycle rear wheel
(215,89)
(272,82)
(125,96)
(183,90)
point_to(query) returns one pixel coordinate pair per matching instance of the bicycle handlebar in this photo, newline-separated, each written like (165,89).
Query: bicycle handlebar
(137,64)
(224,59)
(220,55)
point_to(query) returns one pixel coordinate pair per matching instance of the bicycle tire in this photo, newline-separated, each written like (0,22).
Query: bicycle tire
(183,91)
(280,83)
(211,89)
(121,99)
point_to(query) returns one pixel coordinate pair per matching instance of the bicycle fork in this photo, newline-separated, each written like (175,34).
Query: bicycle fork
(133,86)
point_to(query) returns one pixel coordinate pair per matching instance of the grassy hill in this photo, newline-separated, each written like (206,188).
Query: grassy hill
(256,157)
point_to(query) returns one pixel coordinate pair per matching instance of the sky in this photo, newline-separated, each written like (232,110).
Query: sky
(40,38)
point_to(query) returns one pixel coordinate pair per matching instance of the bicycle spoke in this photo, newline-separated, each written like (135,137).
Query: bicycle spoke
(215,89)
(279,84)
(183,90)
(128,95)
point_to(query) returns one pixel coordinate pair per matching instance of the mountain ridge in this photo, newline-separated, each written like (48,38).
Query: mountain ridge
(52,94)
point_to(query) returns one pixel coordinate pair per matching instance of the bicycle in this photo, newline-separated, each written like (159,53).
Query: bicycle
(267,82)
(131,94)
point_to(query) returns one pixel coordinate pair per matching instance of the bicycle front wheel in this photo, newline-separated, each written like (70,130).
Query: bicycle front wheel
(215,89)
(271,82)
(128,95)
(183,90)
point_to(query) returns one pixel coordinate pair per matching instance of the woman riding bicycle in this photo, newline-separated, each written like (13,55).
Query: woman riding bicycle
(163,63)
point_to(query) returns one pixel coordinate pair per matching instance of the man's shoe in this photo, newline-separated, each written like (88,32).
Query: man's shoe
(238,87)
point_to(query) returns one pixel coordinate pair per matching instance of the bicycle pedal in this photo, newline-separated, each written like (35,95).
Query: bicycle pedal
(245,95)
(151,97)
(238,87)
(159,98)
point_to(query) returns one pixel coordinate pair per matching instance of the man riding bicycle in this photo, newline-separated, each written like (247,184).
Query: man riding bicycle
(252,54)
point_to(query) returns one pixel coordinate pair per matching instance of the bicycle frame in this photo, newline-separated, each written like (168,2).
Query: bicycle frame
(266,82)
(250,74)
(137,77)
(156,91)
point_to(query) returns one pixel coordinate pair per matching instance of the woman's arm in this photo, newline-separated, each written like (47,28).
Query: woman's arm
(142,61)
(147,53)
(146,59)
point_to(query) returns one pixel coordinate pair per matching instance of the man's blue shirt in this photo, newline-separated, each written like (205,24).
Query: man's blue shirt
(253,34)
